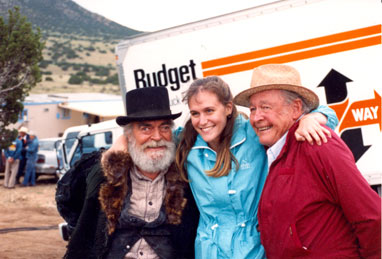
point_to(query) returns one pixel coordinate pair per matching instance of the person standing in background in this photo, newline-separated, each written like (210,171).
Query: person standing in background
(12,155)
(24,138)
(31,156)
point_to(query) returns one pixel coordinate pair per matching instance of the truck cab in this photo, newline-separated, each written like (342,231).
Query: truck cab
(90,138)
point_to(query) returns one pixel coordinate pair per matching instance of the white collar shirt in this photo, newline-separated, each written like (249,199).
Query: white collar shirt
(274,151)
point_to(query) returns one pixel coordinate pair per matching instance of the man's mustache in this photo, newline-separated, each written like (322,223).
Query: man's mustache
(153,143)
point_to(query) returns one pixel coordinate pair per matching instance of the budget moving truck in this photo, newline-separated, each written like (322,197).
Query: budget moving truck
(335,44)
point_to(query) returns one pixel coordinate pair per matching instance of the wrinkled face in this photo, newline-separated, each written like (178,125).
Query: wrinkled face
(209,116)
(151,146)
(271,117)
(147,131)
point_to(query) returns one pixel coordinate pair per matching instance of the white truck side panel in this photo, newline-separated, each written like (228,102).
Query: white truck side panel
(335,44)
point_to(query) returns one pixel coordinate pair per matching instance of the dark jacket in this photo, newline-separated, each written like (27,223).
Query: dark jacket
(97,233)
(24,143)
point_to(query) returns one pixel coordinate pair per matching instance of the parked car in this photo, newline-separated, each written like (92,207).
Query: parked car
(48,158)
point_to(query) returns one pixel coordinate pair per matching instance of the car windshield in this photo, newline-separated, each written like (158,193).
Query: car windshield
(46,145)
(92,143)
(69,141)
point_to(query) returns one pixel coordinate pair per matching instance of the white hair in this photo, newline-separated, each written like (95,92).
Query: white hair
(290,96)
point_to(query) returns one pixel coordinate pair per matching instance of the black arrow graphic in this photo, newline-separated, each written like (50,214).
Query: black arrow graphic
(335,86)
(353,138)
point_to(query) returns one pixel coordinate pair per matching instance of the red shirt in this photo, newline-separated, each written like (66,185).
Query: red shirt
(316,204)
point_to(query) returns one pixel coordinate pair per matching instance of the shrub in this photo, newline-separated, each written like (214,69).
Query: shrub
(112,79)
(75,80)
(97,81)
(101,70)
(90,48)
(44,63)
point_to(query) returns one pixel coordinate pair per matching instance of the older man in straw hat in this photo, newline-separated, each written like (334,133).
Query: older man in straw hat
(135,204)
(315,202)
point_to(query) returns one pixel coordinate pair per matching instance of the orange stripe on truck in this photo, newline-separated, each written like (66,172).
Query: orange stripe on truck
(297,56)
(334,38)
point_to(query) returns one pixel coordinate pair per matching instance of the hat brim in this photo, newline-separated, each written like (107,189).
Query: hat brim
(124,120)
(310,98)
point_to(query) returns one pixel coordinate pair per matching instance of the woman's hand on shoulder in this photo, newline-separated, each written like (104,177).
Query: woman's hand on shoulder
(310,129)
(121,144)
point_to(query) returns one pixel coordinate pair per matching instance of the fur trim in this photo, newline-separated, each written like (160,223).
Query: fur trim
(115,166)
(174,199)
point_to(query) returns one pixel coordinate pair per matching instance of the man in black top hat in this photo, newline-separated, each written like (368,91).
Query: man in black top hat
(134,204)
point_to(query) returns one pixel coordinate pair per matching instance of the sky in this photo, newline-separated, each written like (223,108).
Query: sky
(153,15)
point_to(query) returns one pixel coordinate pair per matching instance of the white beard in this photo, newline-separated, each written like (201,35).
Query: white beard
(155,161)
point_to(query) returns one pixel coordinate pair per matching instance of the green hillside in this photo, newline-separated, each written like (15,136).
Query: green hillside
(79,45)
(65,16)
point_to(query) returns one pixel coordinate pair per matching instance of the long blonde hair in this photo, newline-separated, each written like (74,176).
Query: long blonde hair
(222,166)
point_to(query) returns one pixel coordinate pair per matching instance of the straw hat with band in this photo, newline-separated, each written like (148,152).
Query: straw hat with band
(276,77)
(149,103)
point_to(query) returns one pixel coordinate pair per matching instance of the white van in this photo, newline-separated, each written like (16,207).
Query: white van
(90,138)
(63,148)
(70,135)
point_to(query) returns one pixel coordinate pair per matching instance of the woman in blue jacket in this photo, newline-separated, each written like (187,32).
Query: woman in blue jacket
(226,166)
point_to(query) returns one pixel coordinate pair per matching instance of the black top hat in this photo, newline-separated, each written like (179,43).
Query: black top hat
(149,103)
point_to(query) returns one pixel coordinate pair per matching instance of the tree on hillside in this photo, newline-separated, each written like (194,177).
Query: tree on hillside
(20,53)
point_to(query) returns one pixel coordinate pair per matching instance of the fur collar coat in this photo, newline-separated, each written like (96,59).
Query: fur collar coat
(116,166)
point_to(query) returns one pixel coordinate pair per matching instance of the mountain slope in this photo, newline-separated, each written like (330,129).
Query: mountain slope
(65,16)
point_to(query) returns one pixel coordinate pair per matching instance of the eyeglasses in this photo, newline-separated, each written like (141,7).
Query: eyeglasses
(149,129)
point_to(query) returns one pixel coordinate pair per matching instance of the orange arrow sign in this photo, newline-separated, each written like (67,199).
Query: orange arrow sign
(340,108)
(362,113)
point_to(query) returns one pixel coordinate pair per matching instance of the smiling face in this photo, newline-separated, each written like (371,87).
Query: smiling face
(150,145)
(151,131)
(209,116)
(271,117)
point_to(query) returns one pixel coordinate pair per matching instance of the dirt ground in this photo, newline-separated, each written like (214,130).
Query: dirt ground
(29,221)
